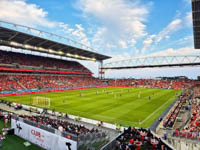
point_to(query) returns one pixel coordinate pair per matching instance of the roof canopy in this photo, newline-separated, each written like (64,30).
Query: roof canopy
(18,39)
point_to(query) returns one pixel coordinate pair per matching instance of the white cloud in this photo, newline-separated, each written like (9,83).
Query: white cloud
(172,27)
(188,40)
(179,52)
(148,42)
(123,44)
(119,20)
(118,57)
(110,46)
(132,42)
(188,19)
(180,22)
(65,28)
(77,32)
(98,35)
(20,12)
(24,13)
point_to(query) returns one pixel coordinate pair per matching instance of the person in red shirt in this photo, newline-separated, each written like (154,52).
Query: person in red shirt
(197,123)
(131,141)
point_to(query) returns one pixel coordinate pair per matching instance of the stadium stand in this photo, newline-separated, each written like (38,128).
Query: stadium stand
(61,125)
(23,61)
(191,130)
(171,117)
(196,91)
(155,83)
(131,138)
(136,139)
(24,82)
(14,82)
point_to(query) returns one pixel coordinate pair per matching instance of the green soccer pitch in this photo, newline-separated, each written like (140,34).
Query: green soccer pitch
(138,107)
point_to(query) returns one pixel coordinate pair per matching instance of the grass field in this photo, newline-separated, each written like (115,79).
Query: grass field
(107,104)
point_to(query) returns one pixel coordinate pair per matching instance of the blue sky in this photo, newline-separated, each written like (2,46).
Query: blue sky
(119,28)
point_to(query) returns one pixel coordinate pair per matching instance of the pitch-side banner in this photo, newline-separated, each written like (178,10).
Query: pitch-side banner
(42,138)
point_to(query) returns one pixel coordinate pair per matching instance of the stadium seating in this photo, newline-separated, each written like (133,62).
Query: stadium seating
(196,91)
(155,83)
(23,61)
(10,82)
(192,129)
(62,125)
(171,117)
(133,138)
(24,82)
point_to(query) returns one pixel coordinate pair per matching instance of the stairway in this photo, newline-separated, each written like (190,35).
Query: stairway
(21,85)
(14,78)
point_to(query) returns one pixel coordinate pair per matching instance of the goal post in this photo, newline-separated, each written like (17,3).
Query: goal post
(41,101)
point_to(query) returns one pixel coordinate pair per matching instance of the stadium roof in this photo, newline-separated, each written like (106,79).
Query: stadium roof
(25,40)
(196,22)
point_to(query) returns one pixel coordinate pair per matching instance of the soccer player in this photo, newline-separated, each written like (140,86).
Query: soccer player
(139,95)
(149,97)
(63,101)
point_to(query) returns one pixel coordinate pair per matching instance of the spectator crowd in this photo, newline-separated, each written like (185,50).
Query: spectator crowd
(136,139)
(24,82)
(155,83)
(192,129)
(19,60)
(172,115)
(61,125)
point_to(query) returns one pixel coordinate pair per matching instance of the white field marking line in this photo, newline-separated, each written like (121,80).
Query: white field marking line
(154,112)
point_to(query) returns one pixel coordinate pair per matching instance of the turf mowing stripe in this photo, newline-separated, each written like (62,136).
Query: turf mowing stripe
(106,117)
(124,110)
(155,111)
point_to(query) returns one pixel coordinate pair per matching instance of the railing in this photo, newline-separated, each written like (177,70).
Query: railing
(81,139)
(111,144)
(44,34)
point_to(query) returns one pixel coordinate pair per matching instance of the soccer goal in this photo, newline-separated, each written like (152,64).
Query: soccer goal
(41,101)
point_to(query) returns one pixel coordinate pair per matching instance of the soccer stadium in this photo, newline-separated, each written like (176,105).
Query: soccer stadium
(57,93)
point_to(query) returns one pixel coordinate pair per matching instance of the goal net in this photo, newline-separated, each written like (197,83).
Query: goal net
(41,101)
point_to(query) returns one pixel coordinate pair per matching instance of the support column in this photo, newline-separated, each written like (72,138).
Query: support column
(101,71)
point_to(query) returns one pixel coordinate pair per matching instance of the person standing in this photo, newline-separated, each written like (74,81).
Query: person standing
(149,97)
(139,95)
(5,121)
